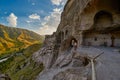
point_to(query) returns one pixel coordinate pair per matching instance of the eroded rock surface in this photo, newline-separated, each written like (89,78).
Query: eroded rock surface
(95,26)
(78,67)
(70,66)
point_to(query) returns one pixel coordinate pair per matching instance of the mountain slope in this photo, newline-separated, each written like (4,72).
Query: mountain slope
(15,39)
(20,66)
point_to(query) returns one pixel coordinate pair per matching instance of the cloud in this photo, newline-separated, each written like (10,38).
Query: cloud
(58,2)
(12,19)
(50,23)
(34,16)
(46,30)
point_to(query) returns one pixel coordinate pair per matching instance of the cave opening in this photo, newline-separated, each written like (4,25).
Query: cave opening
(103,19)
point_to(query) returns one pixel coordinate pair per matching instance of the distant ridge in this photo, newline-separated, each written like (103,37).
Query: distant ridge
(12,39)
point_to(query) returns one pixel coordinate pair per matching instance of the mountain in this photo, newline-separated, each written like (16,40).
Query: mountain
(15,39)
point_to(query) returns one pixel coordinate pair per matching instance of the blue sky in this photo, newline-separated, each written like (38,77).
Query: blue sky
(41,16)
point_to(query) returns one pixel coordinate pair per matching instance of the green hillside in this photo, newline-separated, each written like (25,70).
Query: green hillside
(16,39)
(20,66)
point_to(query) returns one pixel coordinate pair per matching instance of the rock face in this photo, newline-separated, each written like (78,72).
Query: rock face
(68,66)
(48,53)
(88,23)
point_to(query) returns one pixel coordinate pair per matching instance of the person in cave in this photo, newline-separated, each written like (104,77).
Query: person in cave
(75,45)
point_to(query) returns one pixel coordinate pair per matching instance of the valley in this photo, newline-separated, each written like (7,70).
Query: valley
(16,49)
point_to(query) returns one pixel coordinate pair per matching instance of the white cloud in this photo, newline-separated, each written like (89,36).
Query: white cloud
(34,16)
(58,2)
(12,19)
(50,23)
(46,30)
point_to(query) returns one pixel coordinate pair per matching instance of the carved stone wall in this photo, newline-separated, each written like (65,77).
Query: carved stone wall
(91,16)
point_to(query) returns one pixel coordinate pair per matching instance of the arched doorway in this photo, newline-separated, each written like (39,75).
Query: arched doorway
(97,36)
(67,43)
(103,19)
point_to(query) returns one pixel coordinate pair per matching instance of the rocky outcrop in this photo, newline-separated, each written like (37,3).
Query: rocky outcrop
(89,23)
(76,65)
(69,62)
(48,53)
(68,66)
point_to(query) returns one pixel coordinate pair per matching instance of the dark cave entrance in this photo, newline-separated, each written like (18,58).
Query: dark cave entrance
(103,19)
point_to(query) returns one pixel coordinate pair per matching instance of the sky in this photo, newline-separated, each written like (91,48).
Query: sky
(40,16)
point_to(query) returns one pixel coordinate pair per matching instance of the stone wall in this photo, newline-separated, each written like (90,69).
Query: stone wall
(97,39)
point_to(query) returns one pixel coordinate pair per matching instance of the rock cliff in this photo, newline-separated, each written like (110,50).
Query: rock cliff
(94,26)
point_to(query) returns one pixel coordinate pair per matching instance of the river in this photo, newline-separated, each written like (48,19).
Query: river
(3,60)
